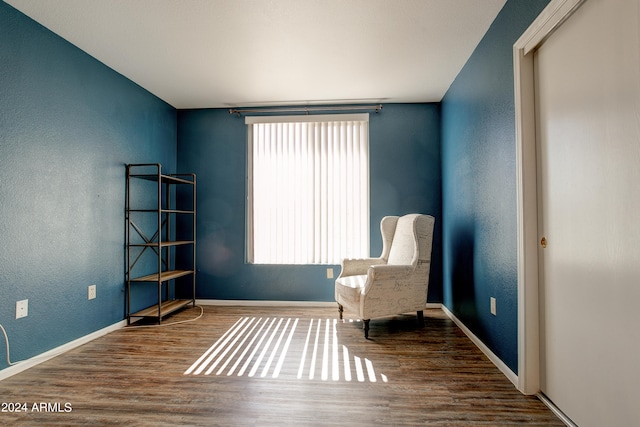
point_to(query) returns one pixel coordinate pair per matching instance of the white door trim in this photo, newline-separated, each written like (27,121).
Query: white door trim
(556,12)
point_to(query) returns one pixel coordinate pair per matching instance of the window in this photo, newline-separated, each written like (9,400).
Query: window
(308,189)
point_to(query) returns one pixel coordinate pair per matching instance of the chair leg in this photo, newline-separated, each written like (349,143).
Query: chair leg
(340,310)
(366,328)
(420,318)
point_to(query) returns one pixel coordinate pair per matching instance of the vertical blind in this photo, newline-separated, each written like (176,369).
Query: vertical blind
(308,189)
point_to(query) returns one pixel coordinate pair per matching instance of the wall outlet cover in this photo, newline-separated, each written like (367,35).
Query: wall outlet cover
(92,291)
(22,308)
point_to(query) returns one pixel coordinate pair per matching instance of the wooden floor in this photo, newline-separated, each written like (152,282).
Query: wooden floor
(146,376)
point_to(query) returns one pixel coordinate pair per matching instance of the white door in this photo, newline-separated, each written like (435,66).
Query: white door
(588,142)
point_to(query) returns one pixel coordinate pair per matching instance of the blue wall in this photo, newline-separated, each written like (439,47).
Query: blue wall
(479,185)
(405,177)
(68,125)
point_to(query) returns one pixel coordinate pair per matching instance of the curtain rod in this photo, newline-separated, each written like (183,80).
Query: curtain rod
(305,110)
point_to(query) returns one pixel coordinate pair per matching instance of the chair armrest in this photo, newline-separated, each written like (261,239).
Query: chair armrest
(354,267)
(389,272)
(384,278)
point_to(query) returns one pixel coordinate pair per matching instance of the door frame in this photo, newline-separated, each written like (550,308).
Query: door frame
(556,13)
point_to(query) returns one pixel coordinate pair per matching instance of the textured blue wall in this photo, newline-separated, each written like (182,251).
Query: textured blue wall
(405,177)
(479,185)
(68,125)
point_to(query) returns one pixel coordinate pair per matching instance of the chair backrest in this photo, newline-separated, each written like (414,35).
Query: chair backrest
(412,240)
(387,229)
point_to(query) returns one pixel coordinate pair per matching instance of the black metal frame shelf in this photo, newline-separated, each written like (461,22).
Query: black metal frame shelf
(164,250)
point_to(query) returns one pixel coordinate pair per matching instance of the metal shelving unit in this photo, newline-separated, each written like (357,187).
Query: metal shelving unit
(162,259)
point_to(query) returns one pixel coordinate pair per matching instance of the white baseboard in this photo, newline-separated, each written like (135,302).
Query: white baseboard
(36,360)
(260,303)
(492,357)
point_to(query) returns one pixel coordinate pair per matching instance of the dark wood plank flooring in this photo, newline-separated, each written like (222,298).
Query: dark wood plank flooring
(434,376)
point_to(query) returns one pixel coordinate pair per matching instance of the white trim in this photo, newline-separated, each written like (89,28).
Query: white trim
(556,12)
(527,225)
(546,23)
(492,357)
(36,360)
(261,303)
(362,117)
(248,228)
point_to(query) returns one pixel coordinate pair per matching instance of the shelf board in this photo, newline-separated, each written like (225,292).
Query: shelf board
(165,276)
(166,307)
(155,211)
(178,211)
(164,244)
(166,179)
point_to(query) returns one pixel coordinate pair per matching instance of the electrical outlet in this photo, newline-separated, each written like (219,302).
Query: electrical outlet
(22,308)
(329,273)
(92,291)
(493,306)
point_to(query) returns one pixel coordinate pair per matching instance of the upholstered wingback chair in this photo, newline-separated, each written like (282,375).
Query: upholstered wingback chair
(397,281)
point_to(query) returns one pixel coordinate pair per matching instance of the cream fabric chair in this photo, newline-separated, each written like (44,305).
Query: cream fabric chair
(397,281)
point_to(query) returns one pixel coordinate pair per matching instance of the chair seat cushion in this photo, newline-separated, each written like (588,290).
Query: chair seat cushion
(349,289)
(355,282)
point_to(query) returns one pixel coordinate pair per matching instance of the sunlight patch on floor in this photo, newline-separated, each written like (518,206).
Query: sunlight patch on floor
(262,347)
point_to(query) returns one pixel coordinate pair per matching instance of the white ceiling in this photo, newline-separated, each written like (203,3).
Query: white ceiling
(229,53)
